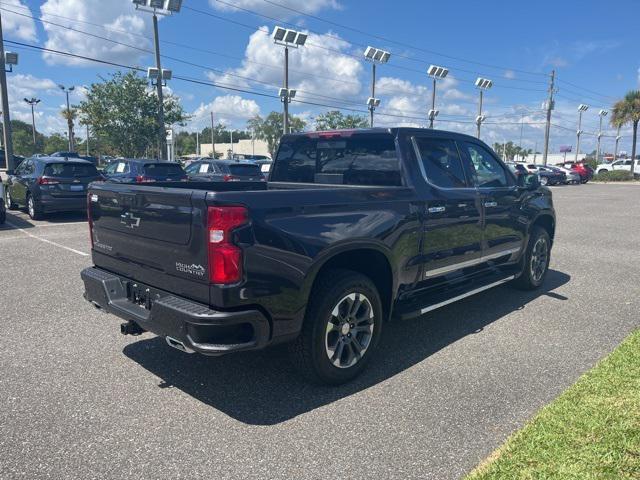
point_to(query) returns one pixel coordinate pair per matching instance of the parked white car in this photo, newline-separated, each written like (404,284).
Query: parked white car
(624,164)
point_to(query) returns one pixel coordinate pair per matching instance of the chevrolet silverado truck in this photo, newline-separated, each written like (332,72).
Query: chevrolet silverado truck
(353,229)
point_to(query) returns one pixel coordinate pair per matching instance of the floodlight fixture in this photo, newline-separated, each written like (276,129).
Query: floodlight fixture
(10,58)
(603,113)
(174,6)
(163,7)
(437,72)
(484,83)
(286,94)
(373,102)
(480,118)
(433,114)
(167,74)
(292,93)
(583,108)
(152,73)
(289,37)
(376,55)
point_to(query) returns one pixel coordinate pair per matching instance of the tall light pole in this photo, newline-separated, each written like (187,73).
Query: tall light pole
(162,7)
(213,150)
(6,58)
(66,90)
(482,84)
(581,108)
(435,72)
(602,113)
(374,55)
(294,39)
(33,102)
(550,106)
(618,137)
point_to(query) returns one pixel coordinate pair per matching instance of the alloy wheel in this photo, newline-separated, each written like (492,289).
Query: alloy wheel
(349,330)
(539,259)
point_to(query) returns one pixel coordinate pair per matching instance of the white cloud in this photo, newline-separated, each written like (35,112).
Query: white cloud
(231,110)
(17,24)
(267,8)
(313,72)
(117,15)
(509,74)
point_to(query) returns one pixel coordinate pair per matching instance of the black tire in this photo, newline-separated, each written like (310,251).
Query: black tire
(310,351)
(34,209)
(10,204)
(544,181)
(531,277)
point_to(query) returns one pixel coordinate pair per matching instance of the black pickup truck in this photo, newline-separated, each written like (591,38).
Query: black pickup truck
(354,228)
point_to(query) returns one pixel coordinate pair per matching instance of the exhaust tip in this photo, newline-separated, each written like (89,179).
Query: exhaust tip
(172,342)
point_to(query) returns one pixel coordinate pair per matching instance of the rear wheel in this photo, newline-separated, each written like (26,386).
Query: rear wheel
(536,260)
(341,328)
(544,181)
(33,208)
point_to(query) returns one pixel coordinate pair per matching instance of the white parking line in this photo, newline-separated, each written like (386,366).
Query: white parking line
(47,241)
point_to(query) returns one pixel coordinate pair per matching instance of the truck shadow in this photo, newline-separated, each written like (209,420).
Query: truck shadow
(19,219)
(261,388)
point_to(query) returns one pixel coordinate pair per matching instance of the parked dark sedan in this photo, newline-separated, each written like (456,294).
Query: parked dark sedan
(127,170)
(225,171)
(50,184)
(551,176)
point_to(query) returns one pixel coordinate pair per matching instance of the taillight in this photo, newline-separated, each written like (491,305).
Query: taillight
(143,179)
(229,178)
(225,258)
(90,218)
(47,181)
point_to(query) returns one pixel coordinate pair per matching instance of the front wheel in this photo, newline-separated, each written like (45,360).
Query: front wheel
(536,260)
(11,205)
(341,328)
(544,181)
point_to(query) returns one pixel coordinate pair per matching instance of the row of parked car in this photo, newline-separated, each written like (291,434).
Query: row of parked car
(45,184)
(565,174)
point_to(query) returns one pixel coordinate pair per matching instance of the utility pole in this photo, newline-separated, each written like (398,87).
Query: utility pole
(432,112)
(87,125)
(161,132)
(8,143)
(373,93)
(285,120)
(197,143)
(547,128)
(213,150)
(602,113)
(479,117)
(482,84)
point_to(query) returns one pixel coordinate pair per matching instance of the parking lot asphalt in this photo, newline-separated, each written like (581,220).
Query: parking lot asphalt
(79,400)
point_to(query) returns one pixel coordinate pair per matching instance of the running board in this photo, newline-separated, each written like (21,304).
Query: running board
(413,310)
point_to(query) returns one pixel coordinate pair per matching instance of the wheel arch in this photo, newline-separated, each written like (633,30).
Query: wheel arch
(546,221)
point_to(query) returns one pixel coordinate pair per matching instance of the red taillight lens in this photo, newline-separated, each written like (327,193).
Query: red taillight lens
(47,181)
(225,258)
(90,218)
(143,179)
(229,178)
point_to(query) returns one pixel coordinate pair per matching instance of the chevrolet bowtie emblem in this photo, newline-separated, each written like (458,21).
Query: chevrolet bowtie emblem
(129,221)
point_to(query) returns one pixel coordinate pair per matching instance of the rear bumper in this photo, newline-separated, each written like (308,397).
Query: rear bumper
(198,327)
(54,204)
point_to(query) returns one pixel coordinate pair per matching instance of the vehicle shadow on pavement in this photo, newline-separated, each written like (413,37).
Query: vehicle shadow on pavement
(261,388)
(20,220)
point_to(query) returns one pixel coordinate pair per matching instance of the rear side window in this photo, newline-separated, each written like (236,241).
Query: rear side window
(70,170)
(441,161)
(245,170)
(163,169)
(354,160)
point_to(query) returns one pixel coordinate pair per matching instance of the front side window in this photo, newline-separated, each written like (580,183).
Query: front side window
(364,159)
(487,171)
(193,168)
(441,162)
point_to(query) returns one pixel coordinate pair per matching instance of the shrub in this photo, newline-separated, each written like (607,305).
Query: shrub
(613,176)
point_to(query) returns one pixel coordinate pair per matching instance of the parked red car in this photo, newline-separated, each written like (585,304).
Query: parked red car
(585,171)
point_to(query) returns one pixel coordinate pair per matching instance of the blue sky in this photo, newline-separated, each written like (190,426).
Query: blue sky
(592,46)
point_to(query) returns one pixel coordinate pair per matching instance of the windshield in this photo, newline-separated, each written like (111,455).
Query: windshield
(163,170)
(69,170)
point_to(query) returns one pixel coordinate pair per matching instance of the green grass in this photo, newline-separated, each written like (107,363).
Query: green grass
(592,431)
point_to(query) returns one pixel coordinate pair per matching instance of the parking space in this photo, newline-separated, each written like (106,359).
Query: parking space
(79,400)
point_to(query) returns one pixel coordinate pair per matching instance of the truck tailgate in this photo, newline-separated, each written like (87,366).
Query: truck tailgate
(154,235)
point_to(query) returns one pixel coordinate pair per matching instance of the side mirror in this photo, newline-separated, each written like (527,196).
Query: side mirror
(530,181)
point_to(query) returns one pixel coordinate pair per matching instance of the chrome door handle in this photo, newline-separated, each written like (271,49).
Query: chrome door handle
(490,204)
(436,209)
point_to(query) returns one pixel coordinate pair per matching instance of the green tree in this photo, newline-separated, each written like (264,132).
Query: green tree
(508,151)
(70,115)
(22,135)
(55,143)
(270,128)
(122,112)
(335,120)
(627,111)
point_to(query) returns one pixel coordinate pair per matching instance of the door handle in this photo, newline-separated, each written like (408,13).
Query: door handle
(436,209)
(490,204)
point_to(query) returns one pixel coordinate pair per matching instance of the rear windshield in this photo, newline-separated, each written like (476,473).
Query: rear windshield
(244,170)
(355,160)
(68,170)
(163,170)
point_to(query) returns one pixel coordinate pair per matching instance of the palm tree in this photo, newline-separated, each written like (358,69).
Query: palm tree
(627,111)
(70,115)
